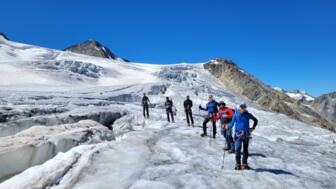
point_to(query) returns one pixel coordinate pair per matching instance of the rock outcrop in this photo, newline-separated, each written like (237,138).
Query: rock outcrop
(92,48)
(254,90)
(326,106)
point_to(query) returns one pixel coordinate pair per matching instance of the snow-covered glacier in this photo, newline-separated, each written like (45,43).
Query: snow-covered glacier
(62,127)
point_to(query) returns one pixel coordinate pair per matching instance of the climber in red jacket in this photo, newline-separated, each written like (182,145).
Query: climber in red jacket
(225,115)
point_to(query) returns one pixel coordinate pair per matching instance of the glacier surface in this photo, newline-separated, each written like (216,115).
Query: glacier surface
(62,127)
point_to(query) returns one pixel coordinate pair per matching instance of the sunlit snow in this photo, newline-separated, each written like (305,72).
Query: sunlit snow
(284,153)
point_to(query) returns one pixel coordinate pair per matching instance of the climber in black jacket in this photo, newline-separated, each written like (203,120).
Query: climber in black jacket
(169,109)
(188,110)
(145,105)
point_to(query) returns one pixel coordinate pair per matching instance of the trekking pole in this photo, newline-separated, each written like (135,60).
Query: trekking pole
(210,132)
(209,138)
(223,159)
(225,144)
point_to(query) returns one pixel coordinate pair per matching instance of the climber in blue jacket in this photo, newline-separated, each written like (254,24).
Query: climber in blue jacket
(241,121)
(212,109)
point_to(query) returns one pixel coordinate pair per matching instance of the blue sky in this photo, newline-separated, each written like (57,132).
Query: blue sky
(286,43)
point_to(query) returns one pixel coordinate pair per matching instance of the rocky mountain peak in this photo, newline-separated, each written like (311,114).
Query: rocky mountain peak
(92,48)
(222,60)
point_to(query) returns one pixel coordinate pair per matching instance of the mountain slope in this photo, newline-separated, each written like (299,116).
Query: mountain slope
(31,67)
(251,88)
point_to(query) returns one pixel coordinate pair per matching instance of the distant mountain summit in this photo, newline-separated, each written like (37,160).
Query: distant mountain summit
(4,36)
(92,48)
(300,95)
(296,94)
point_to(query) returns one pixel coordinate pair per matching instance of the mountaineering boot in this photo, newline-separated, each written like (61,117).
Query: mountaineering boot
(246,167)
(238,167)
(226,149)
(203,134)
(238,164)
(231,151)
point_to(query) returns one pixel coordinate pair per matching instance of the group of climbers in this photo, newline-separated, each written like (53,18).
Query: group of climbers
(169,106)
(228,118)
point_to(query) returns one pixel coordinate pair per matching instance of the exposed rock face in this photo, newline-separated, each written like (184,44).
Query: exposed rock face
(92,48)
(4,36)
(251,88)
(326,106)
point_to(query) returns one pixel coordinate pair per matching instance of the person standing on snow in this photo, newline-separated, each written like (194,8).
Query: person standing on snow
(187,108)
(145,105)
(225,115)
(241,121)
(169,109)
(211,108)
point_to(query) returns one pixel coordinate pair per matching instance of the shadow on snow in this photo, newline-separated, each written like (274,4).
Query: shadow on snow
(274,171)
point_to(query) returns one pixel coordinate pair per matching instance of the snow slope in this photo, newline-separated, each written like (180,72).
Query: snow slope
(153,153)
(28,67)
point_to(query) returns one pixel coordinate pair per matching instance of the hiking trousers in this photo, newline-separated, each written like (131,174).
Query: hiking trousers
(205,122)
(145,111)
(241,143)
(170,114)
(189,116)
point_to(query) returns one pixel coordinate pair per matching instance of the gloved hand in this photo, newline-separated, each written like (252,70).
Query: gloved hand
(226,126)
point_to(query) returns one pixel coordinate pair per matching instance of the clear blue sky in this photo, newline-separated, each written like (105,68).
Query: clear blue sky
(286,43)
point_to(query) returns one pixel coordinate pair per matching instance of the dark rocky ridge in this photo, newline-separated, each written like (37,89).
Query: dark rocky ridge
(92,48)
(326,106)
(4,36)
(253,89)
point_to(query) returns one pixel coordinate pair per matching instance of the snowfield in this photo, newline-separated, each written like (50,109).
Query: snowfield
(55,121)
(296,94)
